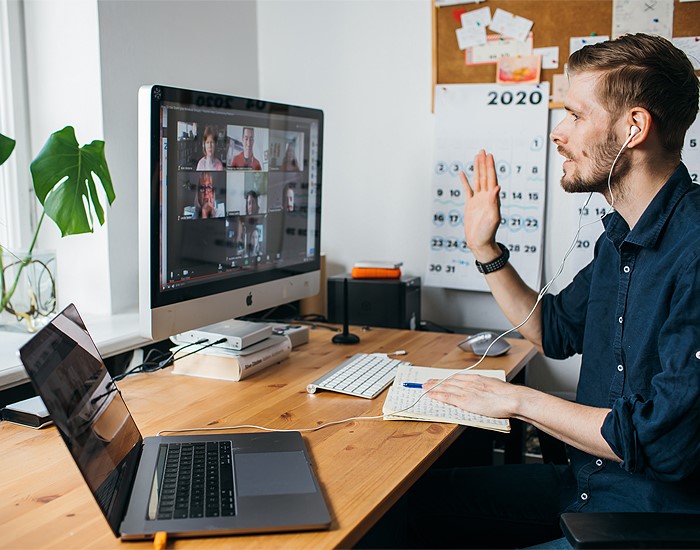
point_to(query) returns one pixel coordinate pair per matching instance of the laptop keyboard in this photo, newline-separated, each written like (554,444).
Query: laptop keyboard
(198,481)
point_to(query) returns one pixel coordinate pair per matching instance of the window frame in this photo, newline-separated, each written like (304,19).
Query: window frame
(18,214)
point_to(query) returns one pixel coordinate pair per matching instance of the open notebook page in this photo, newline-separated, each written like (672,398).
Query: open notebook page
(428,409)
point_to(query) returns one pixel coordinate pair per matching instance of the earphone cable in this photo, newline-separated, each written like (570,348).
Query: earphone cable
(540,296)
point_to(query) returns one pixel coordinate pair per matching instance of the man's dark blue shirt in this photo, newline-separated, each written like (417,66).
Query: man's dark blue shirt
(634,315)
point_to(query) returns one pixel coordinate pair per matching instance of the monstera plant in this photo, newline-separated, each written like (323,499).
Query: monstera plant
(64,179)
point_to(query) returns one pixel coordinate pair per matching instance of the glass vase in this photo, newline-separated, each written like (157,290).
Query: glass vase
(27,290)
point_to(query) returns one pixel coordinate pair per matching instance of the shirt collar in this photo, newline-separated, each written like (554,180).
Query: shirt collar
(647,230)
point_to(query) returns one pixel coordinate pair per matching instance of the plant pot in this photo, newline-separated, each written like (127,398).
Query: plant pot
(28,289)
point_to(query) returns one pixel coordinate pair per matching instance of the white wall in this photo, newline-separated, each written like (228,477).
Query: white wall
(367,64)
(85,63)
(203,45)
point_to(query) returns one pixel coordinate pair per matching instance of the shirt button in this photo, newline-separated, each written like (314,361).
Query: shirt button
(598,462)
(620,368)
(584,496)
(626,269)
(619,320)
(697,355)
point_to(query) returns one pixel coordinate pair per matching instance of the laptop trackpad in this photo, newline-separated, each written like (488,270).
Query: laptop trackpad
(276,473)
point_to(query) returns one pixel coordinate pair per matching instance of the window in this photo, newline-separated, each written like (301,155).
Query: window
(17,217)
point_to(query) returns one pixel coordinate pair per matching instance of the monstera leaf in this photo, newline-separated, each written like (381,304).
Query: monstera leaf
(64,181)
(6,146)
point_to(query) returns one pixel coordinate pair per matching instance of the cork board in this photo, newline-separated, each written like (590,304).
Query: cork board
(555,21)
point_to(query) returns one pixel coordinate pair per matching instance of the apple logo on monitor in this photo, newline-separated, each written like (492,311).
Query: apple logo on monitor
(249,299)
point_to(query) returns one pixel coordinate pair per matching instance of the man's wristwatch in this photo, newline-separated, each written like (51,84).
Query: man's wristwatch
(494,265)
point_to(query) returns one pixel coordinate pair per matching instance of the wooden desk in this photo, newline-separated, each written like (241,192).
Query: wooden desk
(363,466)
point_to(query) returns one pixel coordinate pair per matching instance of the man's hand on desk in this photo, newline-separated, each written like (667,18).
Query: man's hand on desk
(478,394)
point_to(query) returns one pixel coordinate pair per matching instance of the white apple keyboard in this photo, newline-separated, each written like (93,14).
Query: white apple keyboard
(362,375)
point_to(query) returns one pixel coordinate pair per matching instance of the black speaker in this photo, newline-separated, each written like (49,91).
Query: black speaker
(391,303)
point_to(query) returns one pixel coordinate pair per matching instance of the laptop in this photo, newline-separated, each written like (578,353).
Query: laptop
(252,482)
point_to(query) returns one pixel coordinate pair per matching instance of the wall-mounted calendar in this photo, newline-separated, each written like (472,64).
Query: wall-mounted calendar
(691,150)
(511,122)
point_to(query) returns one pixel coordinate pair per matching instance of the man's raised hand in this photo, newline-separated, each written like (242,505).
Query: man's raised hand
(482,209)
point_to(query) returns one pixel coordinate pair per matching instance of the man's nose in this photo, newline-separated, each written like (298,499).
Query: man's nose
(557,135)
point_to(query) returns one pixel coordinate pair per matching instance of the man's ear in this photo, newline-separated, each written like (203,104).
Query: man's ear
(640,118)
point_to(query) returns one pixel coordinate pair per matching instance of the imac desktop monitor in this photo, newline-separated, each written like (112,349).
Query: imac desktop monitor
(229,207)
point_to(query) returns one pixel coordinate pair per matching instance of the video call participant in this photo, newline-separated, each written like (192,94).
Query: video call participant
(633,313)
(288,198)
(205,205)
(290,160)
(246,159)
(252,206)
(255,247)
(209,160)
(235,235)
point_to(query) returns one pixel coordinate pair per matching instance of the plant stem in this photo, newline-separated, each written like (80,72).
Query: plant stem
(6,296)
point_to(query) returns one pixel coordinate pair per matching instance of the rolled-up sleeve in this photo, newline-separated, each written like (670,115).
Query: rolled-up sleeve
(658,434)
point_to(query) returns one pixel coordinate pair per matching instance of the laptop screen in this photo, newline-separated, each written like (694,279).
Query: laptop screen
(68,373)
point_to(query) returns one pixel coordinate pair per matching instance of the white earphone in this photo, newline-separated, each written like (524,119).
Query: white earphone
(634,130)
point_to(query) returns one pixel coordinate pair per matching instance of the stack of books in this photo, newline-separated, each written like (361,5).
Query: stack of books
(249,348)
(376,270)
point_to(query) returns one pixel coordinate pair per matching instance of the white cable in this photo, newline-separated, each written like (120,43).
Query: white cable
(612,198)
(540,295)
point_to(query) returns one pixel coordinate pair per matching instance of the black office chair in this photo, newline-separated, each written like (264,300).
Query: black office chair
(622,529)
(631,530)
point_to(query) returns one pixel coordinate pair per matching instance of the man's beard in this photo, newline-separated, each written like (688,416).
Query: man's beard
(601,157)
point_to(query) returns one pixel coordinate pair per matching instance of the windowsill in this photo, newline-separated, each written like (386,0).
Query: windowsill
(113,335)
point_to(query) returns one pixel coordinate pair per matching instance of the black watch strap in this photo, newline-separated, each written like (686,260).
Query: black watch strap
(494,265)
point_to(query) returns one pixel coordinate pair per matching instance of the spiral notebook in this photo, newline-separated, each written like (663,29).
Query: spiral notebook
(399,403)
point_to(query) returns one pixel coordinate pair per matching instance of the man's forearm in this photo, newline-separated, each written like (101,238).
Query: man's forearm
(516,300)
(572,423)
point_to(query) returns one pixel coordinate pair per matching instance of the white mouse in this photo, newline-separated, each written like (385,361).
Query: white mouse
(479,343)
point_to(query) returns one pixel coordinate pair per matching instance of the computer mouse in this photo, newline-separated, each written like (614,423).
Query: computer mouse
(479,343)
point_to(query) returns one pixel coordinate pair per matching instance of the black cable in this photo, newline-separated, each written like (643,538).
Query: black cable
(425,324)
(314,324)
(219,341)
(156,360)
(151,365)
(313,317)
(266,315)
(311,320)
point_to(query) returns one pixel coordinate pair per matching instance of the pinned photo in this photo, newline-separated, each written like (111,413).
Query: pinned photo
(523,69)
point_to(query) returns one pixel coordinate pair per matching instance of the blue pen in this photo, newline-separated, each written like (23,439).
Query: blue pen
(412,385)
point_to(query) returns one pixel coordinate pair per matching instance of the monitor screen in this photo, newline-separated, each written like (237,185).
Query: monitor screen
(229,207)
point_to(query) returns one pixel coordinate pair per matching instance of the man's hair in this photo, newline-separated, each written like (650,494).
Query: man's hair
(639,70)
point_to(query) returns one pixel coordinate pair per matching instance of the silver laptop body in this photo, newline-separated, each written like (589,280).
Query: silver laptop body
(271,485)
